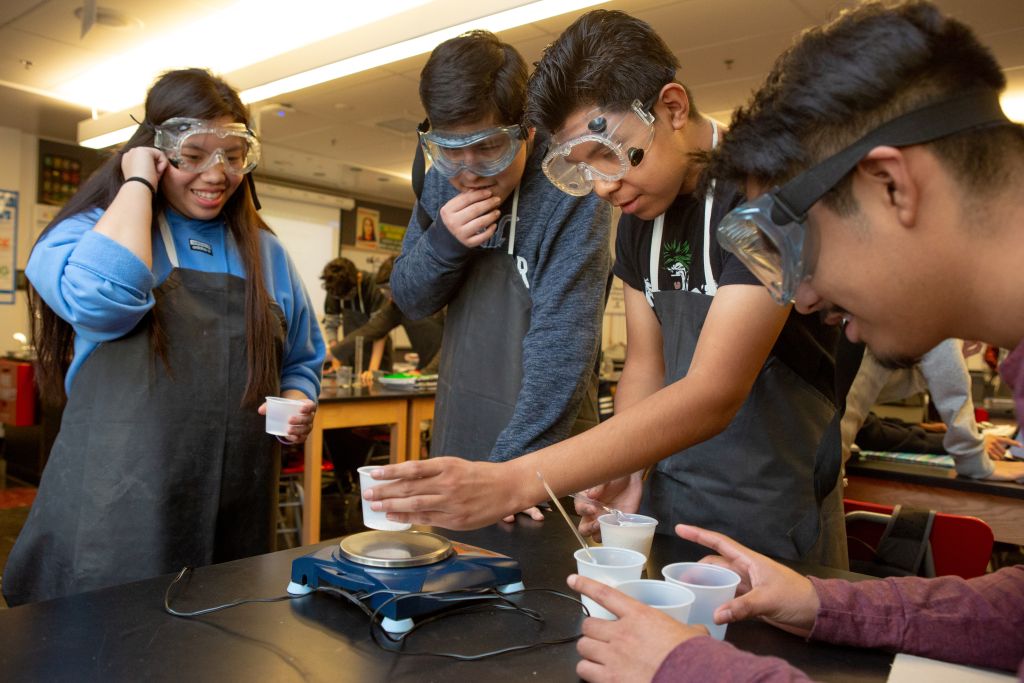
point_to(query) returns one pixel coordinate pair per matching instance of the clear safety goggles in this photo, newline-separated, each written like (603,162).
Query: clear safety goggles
(611,144)
(193,145)
(769,234)
(484,152)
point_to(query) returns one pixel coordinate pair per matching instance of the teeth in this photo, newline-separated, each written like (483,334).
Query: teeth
(206,195)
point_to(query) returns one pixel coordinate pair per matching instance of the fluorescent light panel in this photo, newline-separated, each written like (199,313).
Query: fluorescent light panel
(1013,105)
(501,21)
(245,33)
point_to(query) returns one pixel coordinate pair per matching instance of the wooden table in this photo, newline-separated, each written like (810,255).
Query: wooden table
(1000,504)
(339,408)
(123,634)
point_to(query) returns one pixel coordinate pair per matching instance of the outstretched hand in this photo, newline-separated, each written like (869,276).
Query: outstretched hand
(767,590)
(448,492)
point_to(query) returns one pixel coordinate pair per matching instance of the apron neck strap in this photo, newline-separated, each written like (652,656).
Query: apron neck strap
(165,233)
(512,225)
(657,235)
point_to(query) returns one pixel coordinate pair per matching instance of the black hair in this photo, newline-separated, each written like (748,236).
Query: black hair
(471,77)
(340,276)
(384,272)
(193,93)
(841,80)
(606,58)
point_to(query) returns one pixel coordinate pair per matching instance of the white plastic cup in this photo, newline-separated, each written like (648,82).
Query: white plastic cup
(636,532)
(712,585)
(670,598)
(376,519)
(278,411)
(610,566)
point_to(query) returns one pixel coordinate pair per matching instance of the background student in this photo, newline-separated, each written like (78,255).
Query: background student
(166,310)
(352,297)
(424,334)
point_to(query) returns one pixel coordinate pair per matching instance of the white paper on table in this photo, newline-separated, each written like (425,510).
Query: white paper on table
(913,669)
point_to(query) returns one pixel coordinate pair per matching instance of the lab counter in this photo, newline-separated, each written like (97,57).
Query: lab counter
(123,633)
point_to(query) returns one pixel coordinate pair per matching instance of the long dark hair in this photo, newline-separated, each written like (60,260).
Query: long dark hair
(194,93)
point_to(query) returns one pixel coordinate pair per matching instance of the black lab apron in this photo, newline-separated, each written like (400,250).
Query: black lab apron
(153,469)
(755,481)
(482,355)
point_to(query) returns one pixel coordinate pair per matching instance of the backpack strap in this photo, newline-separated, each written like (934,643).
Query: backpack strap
(904,543)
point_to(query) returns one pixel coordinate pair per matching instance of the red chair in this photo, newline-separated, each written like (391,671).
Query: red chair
(959,545)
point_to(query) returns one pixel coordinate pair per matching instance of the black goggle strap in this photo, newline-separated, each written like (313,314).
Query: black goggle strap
(419,170)
(971,109)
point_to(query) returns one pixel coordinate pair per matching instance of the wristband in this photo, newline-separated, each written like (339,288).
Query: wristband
(143,181)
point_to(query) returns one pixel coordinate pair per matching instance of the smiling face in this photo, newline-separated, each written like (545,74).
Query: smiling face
(896,267)
(202,196)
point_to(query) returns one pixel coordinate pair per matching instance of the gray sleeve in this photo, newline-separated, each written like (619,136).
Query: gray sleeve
(429,270)
(949,383)
(560,349)
(332,322)
(867,386)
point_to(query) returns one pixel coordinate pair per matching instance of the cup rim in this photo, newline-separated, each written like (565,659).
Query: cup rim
(689,595)
(725,571)
(281,399)
(579,556)
(647,521)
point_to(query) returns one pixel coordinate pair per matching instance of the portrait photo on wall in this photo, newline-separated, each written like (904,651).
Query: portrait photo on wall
(367,227)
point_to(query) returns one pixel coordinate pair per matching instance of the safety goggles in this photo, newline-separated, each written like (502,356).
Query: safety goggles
(611,144)
(484,152)
(769,234)
(192,145)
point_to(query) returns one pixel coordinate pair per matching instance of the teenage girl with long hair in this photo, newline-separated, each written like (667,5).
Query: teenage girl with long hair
(164,311)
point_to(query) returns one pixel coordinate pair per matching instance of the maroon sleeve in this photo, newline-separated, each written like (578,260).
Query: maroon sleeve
(705,659)
(979,622)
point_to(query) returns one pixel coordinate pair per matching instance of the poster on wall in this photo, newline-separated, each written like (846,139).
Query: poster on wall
(391,236)
(367,227)
(8,244)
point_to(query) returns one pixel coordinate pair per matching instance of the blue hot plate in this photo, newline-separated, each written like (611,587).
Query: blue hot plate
(375,565)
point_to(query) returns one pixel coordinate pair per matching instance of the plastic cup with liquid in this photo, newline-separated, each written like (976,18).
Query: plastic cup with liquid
(711,585)
(635,532)
(670,598)
(376,519)
(610,566)
(278,411)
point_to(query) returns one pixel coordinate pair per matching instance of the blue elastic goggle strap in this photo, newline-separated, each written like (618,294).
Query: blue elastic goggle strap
(971,109)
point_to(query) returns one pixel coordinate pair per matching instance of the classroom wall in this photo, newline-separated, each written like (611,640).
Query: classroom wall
(19,152)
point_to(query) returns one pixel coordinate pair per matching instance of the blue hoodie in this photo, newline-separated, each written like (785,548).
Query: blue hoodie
(103,290)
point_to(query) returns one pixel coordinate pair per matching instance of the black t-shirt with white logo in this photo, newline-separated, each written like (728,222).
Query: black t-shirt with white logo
(805,344)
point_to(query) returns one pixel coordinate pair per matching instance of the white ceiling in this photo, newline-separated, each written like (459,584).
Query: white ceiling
(356,135)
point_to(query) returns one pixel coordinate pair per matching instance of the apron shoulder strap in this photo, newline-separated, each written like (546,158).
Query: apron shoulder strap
(165,234)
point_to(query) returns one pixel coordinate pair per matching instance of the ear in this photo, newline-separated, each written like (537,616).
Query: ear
(886,175)
(674,101)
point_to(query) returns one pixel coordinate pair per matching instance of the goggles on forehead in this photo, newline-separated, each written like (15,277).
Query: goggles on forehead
(192,145)
(769,234)
(613,142)
(485,152)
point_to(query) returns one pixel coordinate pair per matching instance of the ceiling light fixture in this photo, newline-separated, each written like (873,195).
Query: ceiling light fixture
(268,29)
(500,21)
(1012,102)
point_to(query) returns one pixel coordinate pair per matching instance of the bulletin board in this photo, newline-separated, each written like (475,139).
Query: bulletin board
(8,244)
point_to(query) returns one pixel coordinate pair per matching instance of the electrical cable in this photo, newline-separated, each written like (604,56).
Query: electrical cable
(477,599)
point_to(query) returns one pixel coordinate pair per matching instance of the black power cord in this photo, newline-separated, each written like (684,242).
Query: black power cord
(476,599)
